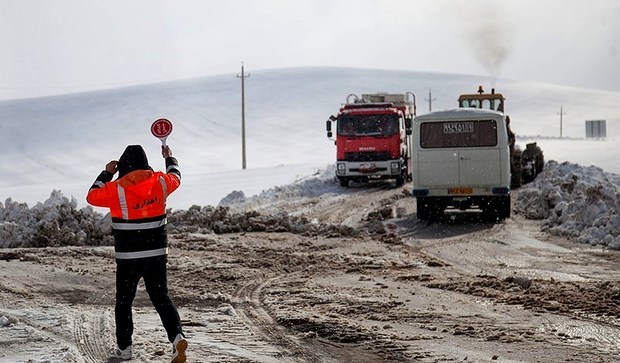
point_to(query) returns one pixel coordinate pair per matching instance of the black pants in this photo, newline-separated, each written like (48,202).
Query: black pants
(128,274)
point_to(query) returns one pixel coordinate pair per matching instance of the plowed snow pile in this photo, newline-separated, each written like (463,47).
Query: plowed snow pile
(580,203)
(577,202)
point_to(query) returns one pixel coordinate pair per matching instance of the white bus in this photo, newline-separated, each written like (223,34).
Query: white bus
(461,161)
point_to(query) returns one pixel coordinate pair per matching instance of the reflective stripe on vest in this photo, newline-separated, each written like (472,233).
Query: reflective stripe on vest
(175,171)
(164,187)
(123,201)
(141,254)
(124,226)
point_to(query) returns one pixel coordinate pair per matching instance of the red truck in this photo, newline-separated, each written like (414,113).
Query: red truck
(373,137)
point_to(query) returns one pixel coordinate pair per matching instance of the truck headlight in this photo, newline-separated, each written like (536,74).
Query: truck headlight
(341,169)
(395,168)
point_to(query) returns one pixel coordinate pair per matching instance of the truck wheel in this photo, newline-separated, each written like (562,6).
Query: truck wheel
(400,181)
(515,180)
(344,181)
(533,156)
(539,161)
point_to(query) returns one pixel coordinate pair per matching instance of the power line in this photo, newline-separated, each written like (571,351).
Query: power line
(430,100)
(243,76)
(561,113)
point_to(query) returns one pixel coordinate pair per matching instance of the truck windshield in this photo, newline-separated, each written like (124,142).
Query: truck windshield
(368,125)
(450,134)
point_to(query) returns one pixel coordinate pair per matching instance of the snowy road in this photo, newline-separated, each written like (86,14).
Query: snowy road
(399,291)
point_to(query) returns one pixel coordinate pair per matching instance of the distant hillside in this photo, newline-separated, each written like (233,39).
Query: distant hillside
(62,142)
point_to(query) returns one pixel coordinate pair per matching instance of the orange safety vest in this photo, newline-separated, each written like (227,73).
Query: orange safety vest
(139,194)
(137,203)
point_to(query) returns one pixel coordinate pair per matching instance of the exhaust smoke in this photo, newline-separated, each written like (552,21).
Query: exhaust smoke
(490,35)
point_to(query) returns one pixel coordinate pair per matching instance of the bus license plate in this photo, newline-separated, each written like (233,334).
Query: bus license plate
(460,190)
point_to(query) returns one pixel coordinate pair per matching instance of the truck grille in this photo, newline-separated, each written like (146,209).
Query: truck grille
(367,156)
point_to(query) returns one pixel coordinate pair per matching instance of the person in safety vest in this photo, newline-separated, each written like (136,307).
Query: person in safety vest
(137,202)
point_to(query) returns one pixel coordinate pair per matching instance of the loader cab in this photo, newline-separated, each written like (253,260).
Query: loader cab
(487,101)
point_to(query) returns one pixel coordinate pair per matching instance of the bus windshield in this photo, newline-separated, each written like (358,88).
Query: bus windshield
(368,125)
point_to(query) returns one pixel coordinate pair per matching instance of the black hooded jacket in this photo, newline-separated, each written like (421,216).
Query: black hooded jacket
(137,202)
(133,158)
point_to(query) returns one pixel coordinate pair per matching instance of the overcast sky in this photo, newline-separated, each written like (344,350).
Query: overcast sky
(62,46)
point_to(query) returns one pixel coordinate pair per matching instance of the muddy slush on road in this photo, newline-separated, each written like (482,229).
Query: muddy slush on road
(339,277)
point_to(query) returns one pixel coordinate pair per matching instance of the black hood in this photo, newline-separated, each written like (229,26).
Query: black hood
(133,158)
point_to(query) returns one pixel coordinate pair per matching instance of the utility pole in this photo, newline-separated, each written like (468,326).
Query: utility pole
(430,101)
(561,113)
(243,76)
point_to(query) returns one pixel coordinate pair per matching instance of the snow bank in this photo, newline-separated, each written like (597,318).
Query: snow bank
(321,182)
(56,222)
(580,203)
(221,220)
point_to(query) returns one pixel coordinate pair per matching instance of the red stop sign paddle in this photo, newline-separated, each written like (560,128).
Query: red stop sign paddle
(161,128)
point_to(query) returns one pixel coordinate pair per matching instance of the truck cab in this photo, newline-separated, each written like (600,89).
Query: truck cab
(373,138)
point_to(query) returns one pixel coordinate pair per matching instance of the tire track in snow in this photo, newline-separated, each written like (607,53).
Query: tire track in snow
(92,335)
(249,306)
